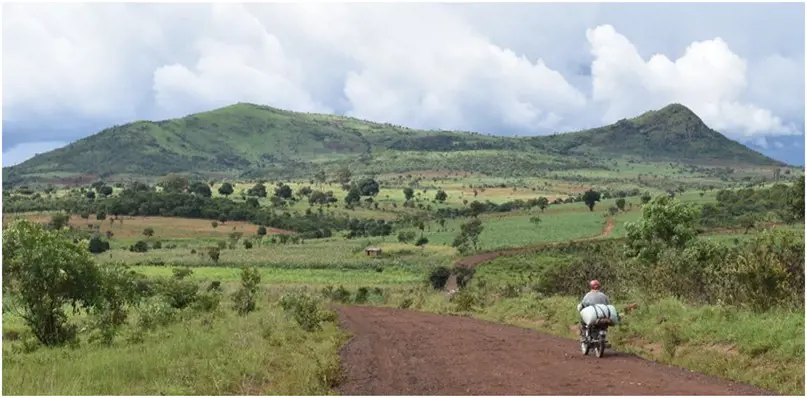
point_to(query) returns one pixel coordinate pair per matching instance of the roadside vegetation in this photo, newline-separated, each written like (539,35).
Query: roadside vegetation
(223,287)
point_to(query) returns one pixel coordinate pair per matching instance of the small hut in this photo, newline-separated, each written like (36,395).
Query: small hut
(373,251)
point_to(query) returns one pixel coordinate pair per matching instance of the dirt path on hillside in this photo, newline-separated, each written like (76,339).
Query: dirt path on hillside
(402,352)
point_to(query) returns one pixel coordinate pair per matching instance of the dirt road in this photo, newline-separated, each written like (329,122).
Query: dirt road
(401,352)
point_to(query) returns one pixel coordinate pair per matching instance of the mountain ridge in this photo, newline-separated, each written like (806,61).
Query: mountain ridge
(253,140)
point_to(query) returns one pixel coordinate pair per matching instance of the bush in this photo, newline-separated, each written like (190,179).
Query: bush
(438,277)
(244,298)
(464,275)
(48,272)
(156,312)
(157,245)
(406,303)
(178,293)
(214,285)
(208,301)
(361,295)
(247,244)
(139,247)
(98,245)
(304,309)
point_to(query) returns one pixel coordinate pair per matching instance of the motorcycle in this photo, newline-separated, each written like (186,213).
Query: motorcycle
(596,337)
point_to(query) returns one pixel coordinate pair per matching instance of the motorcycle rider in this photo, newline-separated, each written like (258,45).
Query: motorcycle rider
(595,296)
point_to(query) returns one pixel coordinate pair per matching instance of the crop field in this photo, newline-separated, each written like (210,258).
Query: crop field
(131,228)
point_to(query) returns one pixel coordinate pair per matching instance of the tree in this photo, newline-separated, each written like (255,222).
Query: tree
(321,177)
(148,232)
(405,236)
(368,187)
(409,193)
(543,203)
(646,197)
(47,271)
(440,196)
(421,242)
(174,183)
(106,190)
(590,198)
(91,195)
(258,190)
(59,221)
(535,220)
(261,231)
(620,204)
(353,196)
(200,189)
(305,191)
(283,191)
(343,175)
(226,189)
(469,236)
(665,223)
(794,208)
(96,245)
(101,215)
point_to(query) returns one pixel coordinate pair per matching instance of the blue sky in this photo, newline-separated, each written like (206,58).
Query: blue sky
(70,70)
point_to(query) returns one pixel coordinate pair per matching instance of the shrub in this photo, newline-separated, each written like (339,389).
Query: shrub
(157,245)
(97,245)
(208,301)
(361,295)
(464,275)
(247,244)
(178,293)
(406,303)
(139,247)
(48,272)
(244,298)
(214,253)
(340,294)
(214,285)
(304,309)
(438,277)
(156,312)
(261,231)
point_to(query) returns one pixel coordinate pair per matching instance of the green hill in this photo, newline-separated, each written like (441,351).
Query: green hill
(249,141)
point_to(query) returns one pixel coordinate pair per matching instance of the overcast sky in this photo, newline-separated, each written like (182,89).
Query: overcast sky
(71,70)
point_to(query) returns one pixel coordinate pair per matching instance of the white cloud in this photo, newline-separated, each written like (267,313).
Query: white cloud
(421,65)
(709,78)
(238,61)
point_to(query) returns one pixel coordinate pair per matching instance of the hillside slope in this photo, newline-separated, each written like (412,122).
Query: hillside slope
(249,140)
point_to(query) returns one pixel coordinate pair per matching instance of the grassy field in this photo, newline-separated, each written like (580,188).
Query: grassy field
(213,353)
(266,352)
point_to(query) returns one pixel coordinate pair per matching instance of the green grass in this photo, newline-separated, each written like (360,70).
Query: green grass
(318,277)
(220,353)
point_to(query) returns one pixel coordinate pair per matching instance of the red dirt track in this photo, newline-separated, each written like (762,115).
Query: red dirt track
(402,352)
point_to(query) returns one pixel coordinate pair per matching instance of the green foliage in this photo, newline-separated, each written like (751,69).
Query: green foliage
(409,193)
(140,246)
(148,232)
(620,204)
(48,271)
(119,289)
(261,231)
(406,236)
(665,222)
(590,198)
(97,245)
(441,196)
(438,277)
(226,189)
(468,239)
(59,221)
(244,299)
(305,310)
